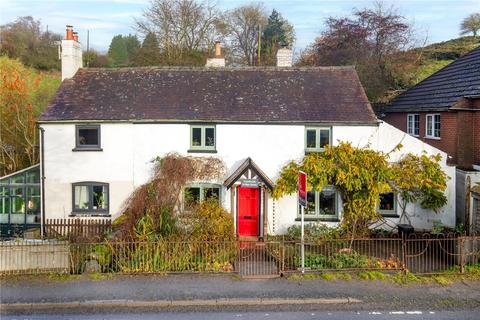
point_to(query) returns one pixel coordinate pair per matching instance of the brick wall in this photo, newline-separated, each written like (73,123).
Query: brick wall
(476,137)
(448,130)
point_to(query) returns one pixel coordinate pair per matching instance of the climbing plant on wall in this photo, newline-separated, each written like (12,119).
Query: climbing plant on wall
(361,175)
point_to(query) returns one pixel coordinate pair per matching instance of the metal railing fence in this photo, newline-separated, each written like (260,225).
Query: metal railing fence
(247,258)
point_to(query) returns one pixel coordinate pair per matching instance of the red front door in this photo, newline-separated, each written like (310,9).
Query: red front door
(248,211)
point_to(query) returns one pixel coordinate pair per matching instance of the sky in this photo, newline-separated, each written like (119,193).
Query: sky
(433,21)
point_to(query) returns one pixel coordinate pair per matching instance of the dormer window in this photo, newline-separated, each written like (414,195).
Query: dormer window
(87,138)
(202,138)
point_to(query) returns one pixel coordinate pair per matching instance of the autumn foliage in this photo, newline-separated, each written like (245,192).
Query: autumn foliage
(361,175)
(23,95)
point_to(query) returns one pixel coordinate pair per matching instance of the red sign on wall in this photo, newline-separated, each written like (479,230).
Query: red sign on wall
(302,188)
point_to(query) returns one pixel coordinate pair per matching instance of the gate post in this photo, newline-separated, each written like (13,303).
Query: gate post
(462,252)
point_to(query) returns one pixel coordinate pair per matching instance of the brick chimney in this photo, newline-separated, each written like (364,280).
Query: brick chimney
(218,59)
(71,54)
(284,57)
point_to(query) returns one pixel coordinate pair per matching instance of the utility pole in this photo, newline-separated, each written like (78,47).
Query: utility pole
(259,43)
(88,47)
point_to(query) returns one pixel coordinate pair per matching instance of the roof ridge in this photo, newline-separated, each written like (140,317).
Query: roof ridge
(242,68)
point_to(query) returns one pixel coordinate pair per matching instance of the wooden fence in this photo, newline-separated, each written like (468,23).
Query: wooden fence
(77,228)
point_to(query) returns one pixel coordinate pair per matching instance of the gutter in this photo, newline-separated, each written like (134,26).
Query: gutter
(374,122)
(42,179)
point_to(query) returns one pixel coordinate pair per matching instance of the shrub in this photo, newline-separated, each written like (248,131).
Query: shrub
(313,232)
(336,261)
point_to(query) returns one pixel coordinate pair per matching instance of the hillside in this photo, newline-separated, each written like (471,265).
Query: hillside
(436,56)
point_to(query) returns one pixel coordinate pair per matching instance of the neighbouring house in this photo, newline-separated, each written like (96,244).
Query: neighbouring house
(444,111)
(105,126)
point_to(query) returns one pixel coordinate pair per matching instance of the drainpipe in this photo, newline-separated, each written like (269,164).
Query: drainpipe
(42,180)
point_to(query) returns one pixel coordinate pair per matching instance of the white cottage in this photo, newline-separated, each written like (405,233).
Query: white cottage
(104,127)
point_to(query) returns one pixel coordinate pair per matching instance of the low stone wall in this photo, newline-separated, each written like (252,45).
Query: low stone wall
(28,255)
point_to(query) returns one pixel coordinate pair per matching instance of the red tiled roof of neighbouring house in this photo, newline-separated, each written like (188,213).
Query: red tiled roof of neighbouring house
(315,95)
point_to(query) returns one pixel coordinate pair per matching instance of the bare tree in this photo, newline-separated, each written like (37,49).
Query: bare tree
(471,24)
(242,29)
(181,26)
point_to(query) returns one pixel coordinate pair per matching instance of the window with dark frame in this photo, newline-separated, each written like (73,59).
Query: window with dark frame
(87,137)
(388,204)
(90,197)
(413,124)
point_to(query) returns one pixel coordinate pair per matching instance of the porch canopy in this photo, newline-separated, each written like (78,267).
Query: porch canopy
(248,171)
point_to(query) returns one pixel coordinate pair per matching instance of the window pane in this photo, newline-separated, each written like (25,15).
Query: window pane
(437,126)
(88,137)
(311,139)
(409,124)
(33,176)
(327,205)
(429,125)
(99,197)
(18,205)
(81,198)
(417,125)
(310,202)
(191,196)
(196,137)
(211,193)
(210,137)
(387,201)
(3,191)
(4,205)
(20,178)
(324,138)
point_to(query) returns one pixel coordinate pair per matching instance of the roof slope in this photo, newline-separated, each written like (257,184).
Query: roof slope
(328,94)
(441,90)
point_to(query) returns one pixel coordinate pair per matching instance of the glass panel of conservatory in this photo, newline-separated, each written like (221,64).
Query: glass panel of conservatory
(33,176)
(18,179)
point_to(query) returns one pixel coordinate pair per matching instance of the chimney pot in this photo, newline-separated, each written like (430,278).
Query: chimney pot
(75,36)
(69,33)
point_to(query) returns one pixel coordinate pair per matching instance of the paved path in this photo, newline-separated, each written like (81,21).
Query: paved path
(373,294)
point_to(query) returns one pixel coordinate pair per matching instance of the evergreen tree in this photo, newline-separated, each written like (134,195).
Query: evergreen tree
(117,53)
(278,31)
(133,45)
(149,54)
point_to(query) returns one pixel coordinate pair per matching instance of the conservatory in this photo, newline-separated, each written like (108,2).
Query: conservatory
(20,201)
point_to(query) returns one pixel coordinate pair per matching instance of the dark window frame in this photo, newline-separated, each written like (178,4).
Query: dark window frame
(88,147)
(90,210)
(392,213)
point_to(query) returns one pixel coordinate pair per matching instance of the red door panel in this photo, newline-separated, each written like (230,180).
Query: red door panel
(248,211)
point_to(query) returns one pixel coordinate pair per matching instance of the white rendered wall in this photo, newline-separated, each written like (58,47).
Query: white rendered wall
(128,151)
(71,57)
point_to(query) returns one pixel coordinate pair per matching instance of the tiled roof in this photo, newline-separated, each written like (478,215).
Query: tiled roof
(322,94)
(441,90)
